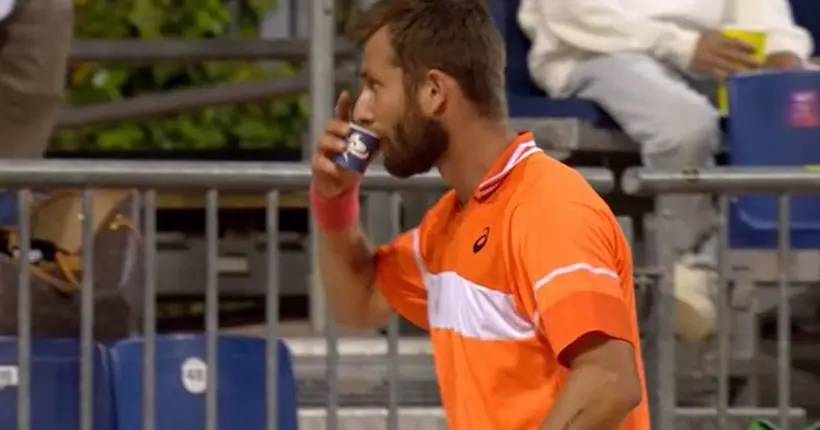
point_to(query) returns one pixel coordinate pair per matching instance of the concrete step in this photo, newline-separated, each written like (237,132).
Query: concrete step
(363,372)
(433,419)
(373,419)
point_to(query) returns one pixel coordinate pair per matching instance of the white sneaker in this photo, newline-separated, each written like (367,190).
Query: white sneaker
(695,310)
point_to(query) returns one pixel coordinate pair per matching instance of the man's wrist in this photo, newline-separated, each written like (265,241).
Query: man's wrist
(334,214)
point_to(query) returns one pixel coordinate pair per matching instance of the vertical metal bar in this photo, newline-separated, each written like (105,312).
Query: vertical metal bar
(293,18)
(136,220)
(322,91)
(649,327)
(272,308)
(665,323)
(149,323)
(24,312)
(724,316)
(211,307)
(322,96)
(87,316)
(393,371)
(235,7)
(136,209)
(332,374)
(783,312)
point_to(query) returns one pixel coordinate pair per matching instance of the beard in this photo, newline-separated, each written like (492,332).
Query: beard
(416,144)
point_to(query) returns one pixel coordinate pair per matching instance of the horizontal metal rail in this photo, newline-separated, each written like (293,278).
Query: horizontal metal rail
(721,180)
(178,50)
(169,103)
(213,177)
(226,176)
(724,182)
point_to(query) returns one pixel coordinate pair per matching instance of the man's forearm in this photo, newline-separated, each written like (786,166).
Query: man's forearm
(347,274)
(591,400)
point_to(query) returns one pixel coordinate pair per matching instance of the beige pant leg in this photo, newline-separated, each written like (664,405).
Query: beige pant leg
(35,41)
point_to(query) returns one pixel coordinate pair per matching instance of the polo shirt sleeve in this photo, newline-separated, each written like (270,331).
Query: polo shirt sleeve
(399,267)
(566,263)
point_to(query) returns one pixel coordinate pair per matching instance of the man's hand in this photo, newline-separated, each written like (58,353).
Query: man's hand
(783,61)
(330,180)
(719,56)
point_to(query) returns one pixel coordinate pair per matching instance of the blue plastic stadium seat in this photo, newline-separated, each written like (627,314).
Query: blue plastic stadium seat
(8,209)
(180,384)
(775,122)
(524,98)
(807,15)
(55,385)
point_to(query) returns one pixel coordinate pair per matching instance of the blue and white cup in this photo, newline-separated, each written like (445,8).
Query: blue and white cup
(362,147)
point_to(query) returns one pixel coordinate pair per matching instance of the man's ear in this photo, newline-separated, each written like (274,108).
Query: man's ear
(434,92)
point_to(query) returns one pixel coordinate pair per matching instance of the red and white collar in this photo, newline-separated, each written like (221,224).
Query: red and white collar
(519,149)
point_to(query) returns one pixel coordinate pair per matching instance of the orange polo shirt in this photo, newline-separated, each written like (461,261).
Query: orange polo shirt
(506,282)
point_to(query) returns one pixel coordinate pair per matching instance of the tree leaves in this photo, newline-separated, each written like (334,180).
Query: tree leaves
(275,123)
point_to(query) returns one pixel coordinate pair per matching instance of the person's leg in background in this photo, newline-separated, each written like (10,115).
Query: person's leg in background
(35,41)
(676,128)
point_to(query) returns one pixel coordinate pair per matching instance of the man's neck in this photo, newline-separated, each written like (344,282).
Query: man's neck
(471,153)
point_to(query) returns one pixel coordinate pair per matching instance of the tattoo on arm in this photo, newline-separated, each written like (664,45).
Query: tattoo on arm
(571,421)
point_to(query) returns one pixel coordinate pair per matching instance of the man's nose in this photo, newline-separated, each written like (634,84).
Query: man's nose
(362,112)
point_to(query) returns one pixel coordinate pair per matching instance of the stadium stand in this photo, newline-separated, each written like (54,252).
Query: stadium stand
(55,385)
(181,383)
(524,98)
(758,102)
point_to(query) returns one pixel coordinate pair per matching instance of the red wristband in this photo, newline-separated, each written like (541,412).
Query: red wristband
(335,214)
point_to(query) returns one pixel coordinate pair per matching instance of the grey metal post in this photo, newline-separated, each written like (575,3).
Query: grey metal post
(24,312)
(663,324)
(724,316)
(322,97)
(393,371)
(272,308)
(149,374)
(87,316)
(783,312)
(211,309)
(378,211)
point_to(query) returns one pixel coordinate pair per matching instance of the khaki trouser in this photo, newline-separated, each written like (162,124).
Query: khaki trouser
(35,40)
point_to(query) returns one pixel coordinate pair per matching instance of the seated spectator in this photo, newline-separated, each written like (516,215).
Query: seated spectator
(645,63)
(35,42)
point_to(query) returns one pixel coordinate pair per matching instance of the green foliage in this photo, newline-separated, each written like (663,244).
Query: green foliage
(274,123)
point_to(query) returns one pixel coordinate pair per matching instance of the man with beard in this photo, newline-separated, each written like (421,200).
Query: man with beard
(520,273)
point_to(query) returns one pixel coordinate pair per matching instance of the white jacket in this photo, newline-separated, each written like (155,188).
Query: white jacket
(6,7)
(564,32)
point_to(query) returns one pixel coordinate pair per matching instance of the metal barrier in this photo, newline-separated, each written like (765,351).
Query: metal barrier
(725,182)
(211,178)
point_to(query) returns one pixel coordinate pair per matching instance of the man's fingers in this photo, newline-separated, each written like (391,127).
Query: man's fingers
(337,128)
(330,145)
(342,110)
(739,45)
(326,166)
(741,60)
